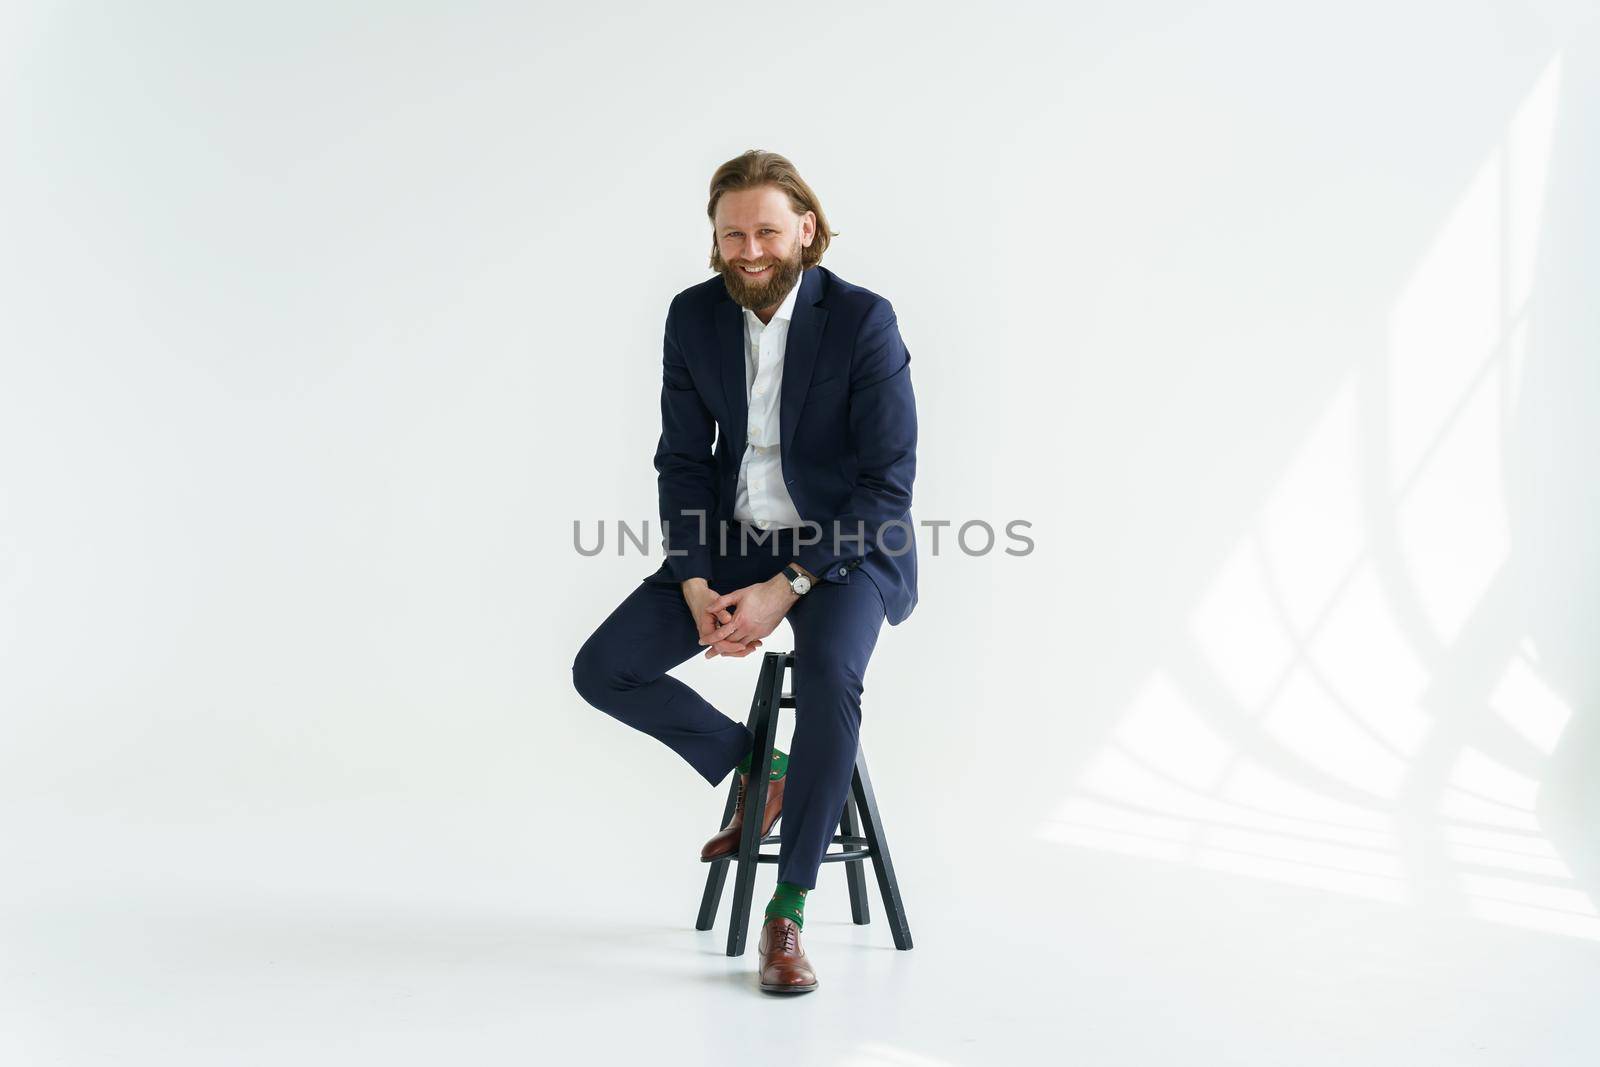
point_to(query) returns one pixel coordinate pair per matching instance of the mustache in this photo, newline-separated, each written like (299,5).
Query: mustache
(737,267)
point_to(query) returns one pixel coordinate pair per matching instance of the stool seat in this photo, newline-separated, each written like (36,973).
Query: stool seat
(861,836)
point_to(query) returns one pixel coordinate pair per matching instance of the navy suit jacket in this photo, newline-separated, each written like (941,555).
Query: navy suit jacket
(847,430)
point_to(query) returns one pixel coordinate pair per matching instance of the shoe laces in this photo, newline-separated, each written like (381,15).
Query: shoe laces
(790,937)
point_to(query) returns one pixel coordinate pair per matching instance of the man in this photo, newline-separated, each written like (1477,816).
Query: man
(800,511)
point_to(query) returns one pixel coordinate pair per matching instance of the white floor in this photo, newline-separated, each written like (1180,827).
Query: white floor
(387,932)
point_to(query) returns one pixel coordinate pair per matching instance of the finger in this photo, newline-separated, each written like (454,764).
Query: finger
(741,647)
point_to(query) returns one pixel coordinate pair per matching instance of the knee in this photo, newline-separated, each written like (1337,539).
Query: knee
(604,669)
(834,686)
(594,674)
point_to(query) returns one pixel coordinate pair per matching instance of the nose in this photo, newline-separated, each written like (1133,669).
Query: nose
(750,251)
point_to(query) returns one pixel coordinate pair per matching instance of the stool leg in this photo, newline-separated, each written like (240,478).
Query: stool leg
(717,876)
(718,873)
(855,878)
(764,714)
(888,888)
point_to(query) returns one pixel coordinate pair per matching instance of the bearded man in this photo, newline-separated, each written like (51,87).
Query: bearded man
(798,509)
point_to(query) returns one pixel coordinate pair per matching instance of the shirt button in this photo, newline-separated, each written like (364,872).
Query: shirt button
(841,572)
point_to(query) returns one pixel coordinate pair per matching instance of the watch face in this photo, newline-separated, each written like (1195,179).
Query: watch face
(802,585)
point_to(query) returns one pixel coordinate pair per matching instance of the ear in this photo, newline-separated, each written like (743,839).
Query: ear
(808,229)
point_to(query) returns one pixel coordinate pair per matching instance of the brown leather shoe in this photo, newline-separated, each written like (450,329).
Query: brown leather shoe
(726,841)
(784,967)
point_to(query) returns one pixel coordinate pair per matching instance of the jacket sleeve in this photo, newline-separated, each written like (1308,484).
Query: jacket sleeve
(883,431)
(686,471)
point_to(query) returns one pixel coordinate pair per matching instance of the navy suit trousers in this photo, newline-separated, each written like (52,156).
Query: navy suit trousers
(622,670)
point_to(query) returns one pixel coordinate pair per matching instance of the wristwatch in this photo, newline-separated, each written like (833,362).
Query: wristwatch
(797,581)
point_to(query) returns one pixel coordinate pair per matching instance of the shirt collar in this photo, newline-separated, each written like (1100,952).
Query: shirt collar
(785,310)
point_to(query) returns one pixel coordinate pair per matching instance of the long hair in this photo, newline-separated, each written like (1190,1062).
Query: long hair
(754,168)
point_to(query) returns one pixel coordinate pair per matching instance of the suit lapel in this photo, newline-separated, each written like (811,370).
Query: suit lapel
(799,360)
(800,355)
(730,355)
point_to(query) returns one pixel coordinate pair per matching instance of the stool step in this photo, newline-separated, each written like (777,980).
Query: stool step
(786,700)
(856,849)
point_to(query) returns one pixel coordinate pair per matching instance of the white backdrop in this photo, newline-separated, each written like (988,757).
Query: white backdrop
(323,323)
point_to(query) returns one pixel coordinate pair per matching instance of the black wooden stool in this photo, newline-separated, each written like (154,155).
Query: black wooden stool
(860,838)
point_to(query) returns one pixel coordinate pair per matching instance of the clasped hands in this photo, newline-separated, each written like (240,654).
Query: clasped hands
(737,633)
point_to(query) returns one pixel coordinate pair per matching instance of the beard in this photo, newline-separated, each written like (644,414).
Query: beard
(767,292)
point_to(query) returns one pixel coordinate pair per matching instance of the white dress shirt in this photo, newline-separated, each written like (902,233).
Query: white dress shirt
(762,499)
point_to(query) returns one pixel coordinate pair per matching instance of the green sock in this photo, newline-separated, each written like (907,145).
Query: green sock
(780,764)
(789,900)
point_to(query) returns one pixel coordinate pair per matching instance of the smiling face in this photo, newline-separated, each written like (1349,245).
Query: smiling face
(759,240)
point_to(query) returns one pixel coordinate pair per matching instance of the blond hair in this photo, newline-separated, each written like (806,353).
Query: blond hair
(754,168)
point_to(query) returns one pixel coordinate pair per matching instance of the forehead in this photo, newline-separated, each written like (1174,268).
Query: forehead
(745,208)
